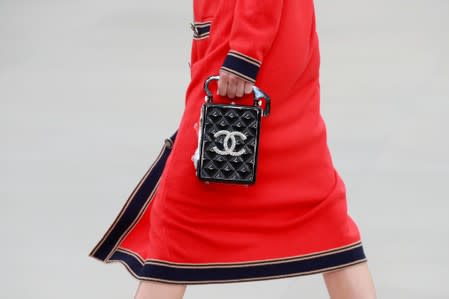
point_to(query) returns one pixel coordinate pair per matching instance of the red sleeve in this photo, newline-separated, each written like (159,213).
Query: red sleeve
(255,25)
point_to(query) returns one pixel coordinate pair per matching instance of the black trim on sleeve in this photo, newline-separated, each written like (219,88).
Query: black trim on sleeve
(241,65)
(201,30)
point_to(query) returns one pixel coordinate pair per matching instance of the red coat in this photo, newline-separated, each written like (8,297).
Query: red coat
(294,219)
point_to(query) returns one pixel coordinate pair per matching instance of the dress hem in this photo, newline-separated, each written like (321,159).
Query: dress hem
(168,272)
(108,249)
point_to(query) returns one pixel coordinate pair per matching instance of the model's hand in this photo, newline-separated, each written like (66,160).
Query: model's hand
(231,85)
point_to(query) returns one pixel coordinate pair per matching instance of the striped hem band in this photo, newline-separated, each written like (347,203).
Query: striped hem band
(108,249)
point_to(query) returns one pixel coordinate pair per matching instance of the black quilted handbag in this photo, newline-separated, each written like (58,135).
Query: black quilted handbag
(228,139)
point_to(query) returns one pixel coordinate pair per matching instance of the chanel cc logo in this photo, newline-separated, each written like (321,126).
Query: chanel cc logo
(229,150)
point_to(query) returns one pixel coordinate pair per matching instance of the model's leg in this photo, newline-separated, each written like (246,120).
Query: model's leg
(158,290)
(352,282)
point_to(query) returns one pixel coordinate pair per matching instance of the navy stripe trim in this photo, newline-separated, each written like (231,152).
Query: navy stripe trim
(200,29)
(107,249)
(241,65)
(203,274)
(136,203)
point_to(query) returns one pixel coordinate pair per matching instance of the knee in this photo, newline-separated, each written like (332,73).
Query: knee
(350,282)
(148,289)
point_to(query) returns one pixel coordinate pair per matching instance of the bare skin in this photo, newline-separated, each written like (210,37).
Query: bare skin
(159,290)
(232,86)
(352,282)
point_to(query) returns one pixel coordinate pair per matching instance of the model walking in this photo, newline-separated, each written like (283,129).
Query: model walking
(176,230)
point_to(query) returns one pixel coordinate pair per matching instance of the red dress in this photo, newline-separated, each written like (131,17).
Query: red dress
(293,221)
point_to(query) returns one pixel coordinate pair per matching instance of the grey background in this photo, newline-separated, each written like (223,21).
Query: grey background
(89,90)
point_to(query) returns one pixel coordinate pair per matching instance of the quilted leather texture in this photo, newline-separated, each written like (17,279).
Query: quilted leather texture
(229,143)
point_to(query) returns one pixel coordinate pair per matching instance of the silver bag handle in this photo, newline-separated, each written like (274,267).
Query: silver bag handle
(258,95)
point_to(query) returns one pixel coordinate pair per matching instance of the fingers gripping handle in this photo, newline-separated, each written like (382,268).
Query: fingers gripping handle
(258,95)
